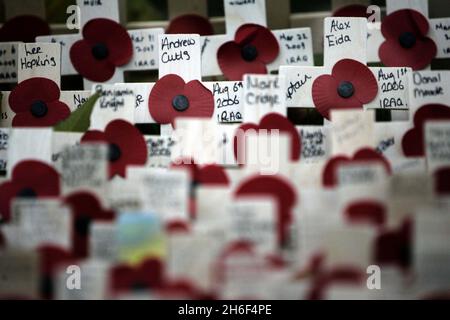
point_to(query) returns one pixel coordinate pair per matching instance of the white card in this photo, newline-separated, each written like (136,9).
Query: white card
(39,60)
(39,223)
(440,33)
(361,173)
(85,167)
(239,12)
(19,274)
(315,143)
(263,94)
(145,43)
(115,102)
(254,220)
(351,130)
(181,55)
(211,205)
(141,92)
(4,140)
(298,83)
(437,144)
(98,9)
(102,241)
(29,144)
(125,195)
(65,41)
(159,151)
(428,87)
(62,141)
(345,38)
(75,99)
(166,192)
(228,104)
(295,48)
(8,62)
(225,141)
(393,89)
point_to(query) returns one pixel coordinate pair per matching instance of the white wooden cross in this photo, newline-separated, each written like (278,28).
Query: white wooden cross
(295,44)
(346,38)
(439,28)
(144,40)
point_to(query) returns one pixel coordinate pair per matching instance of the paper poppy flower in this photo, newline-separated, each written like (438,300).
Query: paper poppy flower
(29,179)
(271,121)
(442,181)
(148,275)
(353,10)
(126,146)
(413,142)
(86,208)
(368,212)
(394,247)
(171,98)
(330,172)
(106,45)
(190,24)
(36,103)
(24,28)
(280,190)
(253,48)
(407,44)
(50,259)
(350,86)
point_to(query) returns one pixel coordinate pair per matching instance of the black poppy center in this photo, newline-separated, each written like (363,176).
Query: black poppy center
(249,52)
(407,40)
(180,103)
(100,51)
(39,109)
(27,193)
(82,225)
(346,89)
(114,152)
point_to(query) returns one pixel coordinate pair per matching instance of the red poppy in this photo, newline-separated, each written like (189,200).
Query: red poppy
(329,178)
(282,191)
(395,246)
(29,179)
(50,259)
(413,142)
(271,121)
(86,208)
(148,275)
(126,145)
(24,28)
(36,103)
(253,48)
(171,98)
(407,44)
(105,46)
(373,213)
(442,181)
(190,24)
(350,86)
(353,10)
